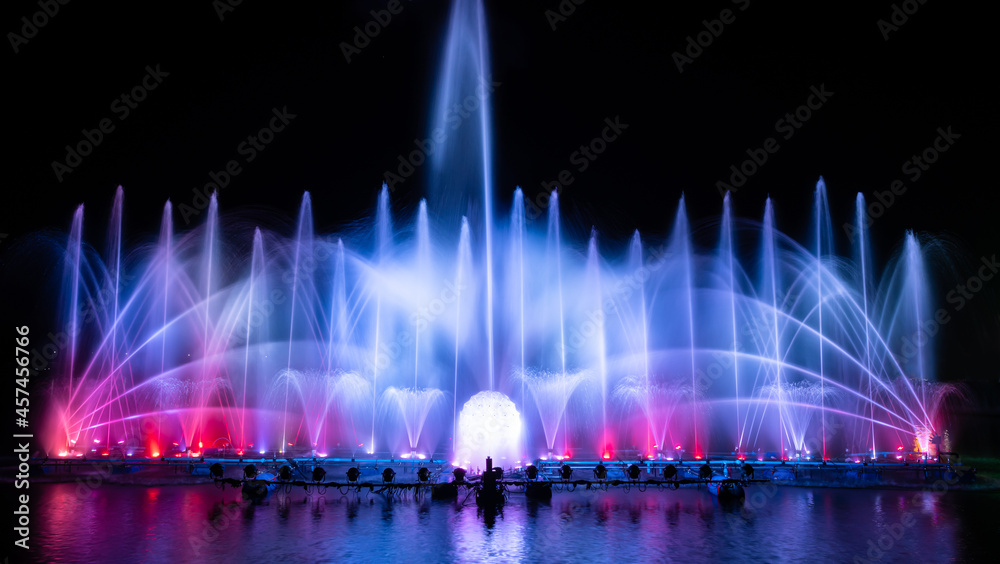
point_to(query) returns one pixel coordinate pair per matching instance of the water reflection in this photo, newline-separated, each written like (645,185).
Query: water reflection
(185,523)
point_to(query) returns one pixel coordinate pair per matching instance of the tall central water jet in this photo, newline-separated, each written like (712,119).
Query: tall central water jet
(461,170)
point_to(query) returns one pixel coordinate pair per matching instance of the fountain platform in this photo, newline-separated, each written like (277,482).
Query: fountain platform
(406,472)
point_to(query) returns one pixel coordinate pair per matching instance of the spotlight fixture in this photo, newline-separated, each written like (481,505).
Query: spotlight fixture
(318,474)
(353,474)
(532,472)
(705,472)
(566,471)
(633,471)
(669,471)
(601,472)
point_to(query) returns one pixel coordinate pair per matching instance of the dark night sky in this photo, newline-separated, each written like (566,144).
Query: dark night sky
(606,59)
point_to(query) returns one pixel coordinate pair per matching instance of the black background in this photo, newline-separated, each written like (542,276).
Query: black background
(605,59)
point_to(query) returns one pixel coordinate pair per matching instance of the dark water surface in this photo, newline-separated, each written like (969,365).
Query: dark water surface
(202,523)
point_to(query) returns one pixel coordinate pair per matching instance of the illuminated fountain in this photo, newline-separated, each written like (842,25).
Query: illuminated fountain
(456,331)
(321,343)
